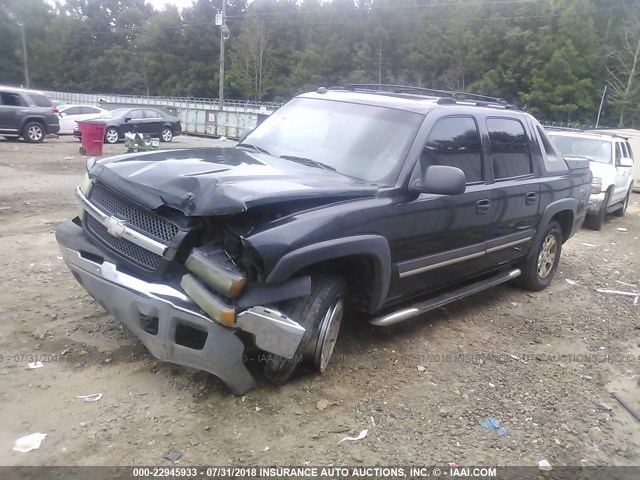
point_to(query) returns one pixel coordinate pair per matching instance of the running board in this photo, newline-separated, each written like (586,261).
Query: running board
(436,302)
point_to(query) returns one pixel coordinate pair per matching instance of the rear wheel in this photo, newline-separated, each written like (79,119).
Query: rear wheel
(321,315)
(166,135)
(111,136)
(623,209)
(540,268)
(33,132)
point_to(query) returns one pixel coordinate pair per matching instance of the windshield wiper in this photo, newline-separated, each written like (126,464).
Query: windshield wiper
(254,147)
(308,162)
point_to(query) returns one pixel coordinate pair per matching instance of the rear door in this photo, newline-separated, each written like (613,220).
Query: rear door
(516,188)
(622,173)
(153,122)
(443,237)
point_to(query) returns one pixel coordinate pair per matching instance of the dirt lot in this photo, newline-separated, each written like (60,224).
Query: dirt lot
(421,389)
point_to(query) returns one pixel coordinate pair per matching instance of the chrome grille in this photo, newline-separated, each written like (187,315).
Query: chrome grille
(138,255)
(136,217)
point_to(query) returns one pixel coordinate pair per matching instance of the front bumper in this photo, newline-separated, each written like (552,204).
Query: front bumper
(595,201)
(157,313)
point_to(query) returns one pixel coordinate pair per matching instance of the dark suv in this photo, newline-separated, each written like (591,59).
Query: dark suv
(388,200)
(26,113)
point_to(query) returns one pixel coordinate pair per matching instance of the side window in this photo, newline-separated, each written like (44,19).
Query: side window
(40,100)
(629,150)
(509,147)
(87,110)
(151,114)
(618,153)
(73,111)
(455,142)
(135,114)
(12,99)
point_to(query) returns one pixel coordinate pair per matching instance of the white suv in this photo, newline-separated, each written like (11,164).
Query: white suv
(611,162)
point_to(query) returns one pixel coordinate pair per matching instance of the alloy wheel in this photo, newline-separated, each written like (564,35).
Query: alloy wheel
(547,256)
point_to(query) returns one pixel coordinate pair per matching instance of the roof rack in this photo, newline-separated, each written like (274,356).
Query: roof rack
(446,97)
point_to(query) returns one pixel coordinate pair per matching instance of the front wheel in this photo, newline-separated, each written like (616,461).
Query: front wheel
(321,315)
(595,222)
(541,266)
(166,135)
(623,209)
(111,136)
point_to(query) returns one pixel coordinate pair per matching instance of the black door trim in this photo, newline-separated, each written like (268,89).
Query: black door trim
(414,266)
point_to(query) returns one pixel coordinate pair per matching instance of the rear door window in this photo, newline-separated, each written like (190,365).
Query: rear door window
(73,111)
(455,142)
(619,154)
(40,100)
(509,148)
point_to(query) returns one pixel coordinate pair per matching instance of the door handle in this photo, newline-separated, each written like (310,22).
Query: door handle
(530,198)
(483,206)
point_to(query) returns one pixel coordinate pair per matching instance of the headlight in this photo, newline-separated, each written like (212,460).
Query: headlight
(85,184)
(596,185)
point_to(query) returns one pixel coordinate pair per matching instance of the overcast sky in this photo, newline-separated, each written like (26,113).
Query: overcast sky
(159,4)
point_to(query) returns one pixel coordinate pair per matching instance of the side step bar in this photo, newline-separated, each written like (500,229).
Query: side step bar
(436,302)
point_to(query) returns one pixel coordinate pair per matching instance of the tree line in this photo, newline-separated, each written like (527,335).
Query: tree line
(553,57)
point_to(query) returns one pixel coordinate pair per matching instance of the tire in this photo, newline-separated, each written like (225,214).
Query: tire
(595,222)
(166,135)
(111,136)
(540,268)
(33,132)
(82,151)
(623,209)
(314,313)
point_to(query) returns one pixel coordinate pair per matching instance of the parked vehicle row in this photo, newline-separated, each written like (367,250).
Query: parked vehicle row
(611,163)
(151,121)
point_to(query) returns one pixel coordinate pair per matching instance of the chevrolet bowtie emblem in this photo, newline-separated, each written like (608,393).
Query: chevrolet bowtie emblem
(115,226)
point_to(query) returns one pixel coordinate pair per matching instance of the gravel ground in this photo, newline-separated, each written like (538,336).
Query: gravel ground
(543,364)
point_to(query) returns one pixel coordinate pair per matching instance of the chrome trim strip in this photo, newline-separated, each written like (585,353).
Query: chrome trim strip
(441,264)
(507,245)
(117,228)
(108,271)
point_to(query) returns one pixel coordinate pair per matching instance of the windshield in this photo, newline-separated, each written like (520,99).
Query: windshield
(360,141)
(591,148)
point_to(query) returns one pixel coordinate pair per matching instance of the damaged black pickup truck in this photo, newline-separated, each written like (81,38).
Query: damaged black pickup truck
(388,200)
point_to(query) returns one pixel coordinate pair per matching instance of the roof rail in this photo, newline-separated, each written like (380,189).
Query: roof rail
(446,96)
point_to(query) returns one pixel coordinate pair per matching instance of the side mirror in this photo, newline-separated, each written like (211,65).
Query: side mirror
(441,180)
(62,115)
(625,162)
(127,119)
(244,134)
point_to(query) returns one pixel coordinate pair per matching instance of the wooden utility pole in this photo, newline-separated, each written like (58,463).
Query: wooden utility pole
(223,31)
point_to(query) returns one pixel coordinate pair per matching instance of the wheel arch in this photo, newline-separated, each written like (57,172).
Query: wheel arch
(364,260)
(33,118)
(564,212)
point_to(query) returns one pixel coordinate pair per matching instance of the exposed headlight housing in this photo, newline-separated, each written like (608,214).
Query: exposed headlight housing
(596,185)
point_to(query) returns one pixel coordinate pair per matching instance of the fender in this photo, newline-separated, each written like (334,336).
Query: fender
(373,246)
(33,118)
(570,204)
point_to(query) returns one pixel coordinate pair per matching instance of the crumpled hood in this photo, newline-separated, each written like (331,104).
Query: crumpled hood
(218,181)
